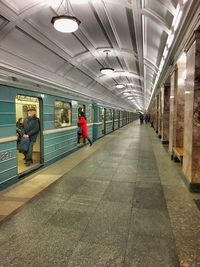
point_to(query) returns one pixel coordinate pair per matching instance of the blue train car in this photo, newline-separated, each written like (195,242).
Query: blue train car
(58,128)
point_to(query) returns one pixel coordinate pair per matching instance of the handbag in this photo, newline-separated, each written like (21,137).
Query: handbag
(24,144)
(79,130)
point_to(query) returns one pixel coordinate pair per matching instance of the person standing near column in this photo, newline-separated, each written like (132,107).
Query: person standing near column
(31,128)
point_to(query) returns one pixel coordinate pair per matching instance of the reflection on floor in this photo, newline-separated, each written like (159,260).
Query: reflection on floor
(21,162)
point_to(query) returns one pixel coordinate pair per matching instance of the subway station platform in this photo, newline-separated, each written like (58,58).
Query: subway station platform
(121,202)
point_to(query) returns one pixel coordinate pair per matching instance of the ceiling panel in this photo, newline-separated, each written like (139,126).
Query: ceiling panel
(22,45)
(154,34)
(22,5)
(160,10)
(135,32)
(90,25)
(79,77)
(120,26)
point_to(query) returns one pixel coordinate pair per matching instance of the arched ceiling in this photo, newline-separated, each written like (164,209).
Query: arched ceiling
(135,32)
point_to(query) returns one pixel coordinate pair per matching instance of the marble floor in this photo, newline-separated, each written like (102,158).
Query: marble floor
(121,202)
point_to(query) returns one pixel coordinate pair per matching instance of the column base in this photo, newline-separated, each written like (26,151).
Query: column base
(165,142)
(192,187)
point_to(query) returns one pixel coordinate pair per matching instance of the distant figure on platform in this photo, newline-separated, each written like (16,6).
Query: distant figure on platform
(31,128)
(141,118)
(83,123)
(146,118)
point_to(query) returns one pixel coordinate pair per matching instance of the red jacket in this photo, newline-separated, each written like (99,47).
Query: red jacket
(83,123)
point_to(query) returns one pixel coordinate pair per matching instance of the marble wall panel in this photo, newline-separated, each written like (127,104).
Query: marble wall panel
(188,113)
(171,112)
(160,114)
(191,163)
(179,106)
(165,113)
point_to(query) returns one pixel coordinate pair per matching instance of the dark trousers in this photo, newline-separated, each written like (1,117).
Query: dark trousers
(28,154)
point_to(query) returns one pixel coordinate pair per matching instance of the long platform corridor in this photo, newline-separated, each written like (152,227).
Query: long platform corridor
(126,204)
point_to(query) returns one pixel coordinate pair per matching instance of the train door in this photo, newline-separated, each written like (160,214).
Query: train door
(103,110)
(23,104)
(113,119)
(80,140)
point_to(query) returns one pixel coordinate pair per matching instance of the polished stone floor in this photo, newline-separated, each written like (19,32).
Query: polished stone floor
(124,205)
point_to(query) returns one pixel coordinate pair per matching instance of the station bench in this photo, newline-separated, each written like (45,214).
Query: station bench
(177,153)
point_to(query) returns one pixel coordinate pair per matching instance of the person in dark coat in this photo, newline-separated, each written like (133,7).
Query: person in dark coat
(141,118)
(31,128)
(83,123)
(19,130)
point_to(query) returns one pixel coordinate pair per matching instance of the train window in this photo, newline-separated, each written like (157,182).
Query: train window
(91,114)
(110,114)
(100,115)
(116,114)
(63,114)
(81,108)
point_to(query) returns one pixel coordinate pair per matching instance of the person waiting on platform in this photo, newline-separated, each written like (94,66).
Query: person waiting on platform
(31,127)
(141,118)
(83,123)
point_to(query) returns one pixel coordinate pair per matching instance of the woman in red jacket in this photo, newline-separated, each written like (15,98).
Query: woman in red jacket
(83,123)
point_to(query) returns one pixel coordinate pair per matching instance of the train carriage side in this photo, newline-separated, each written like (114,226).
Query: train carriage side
(14,104)
(120,118)
(109,120)
(99,121)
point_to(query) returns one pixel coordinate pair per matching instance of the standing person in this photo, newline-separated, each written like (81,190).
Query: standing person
(83,123)
(31,127)
(146,118)
(141,118)
(19,130)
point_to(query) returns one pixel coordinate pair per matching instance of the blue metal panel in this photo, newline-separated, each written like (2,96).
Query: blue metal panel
(7,130)
(6,107)
(7,118)
(7,160)
(109,127)
(59,143)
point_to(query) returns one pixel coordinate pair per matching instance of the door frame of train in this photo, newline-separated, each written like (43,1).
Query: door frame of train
(113,119)
(41,143)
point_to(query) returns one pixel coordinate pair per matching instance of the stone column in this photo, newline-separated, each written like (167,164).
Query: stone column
(191,162)
(159,115)
(171,110)
(179,103)
(165,114)
(156,113)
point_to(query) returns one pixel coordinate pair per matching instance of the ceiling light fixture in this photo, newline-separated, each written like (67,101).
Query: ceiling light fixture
(67,22)
(119,86)
(107,70)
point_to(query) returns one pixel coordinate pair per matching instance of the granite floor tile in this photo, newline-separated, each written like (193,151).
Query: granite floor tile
(92,188)
(96,255)
(51,247)
(144,250)
(149,198)
(127,169)
(151,222)
(110,224)
(125,177)
(188,248)
(119,192)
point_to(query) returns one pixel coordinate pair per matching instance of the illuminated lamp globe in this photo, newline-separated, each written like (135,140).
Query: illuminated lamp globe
(107,71)
(119,86)
(65,23)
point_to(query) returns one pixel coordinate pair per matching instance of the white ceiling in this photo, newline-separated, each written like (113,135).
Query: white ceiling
(134,31)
